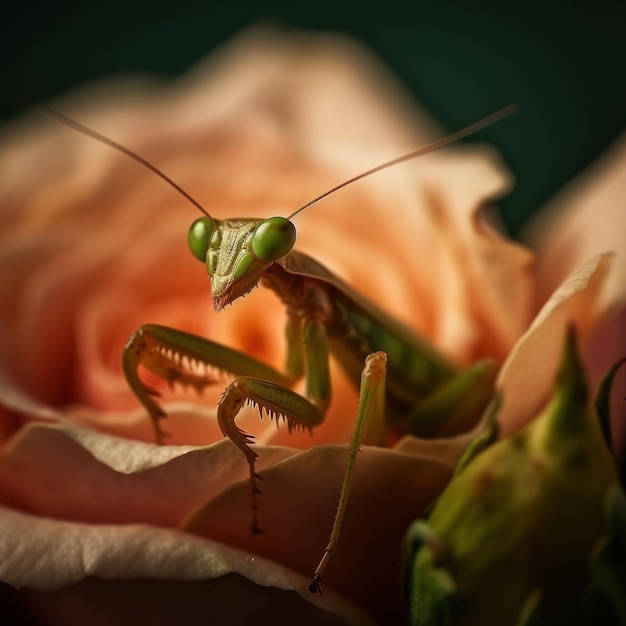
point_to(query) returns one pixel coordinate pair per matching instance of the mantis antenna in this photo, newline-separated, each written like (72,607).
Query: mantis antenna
(445,141)
(119,147)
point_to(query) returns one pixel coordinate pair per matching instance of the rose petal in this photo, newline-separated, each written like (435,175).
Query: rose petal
(77,474)
(297,507)
(44,554)
(529,372)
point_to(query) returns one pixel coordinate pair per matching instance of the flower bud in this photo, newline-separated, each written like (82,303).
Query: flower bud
(509,541)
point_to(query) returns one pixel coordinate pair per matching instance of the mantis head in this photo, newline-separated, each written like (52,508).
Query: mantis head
(238,252)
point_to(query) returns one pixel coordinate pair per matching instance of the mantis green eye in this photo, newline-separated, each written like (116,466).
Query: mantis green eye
(199,237)
(273,238)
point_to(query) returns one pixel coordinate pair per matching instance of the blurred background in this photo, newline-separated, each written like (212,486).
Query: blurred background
(563,63)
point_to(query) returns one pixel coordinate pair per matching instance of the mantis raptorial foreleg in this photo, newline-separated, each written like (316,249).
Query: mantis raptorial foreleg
(180,357)
(276,401)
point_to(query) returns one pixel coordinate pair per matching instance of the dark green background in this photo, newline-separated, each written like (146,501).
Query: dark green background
(564,63)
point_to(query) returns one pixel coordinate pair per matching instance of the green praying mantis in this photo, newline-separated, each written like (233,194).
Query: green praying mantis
(405,382)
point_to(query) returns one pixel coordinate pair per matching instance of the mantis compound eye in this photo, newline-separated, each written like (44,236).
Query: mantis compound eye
(199,237)
(273,238)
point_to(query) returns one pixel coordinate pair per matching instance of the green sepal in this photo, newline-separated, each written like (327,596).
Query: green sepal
(429,589)
(416,538)
(485,438)
(530,615)
(603,402)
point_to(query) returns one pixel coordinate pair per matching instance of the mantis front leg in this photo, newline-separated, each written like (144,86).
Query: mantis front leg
(277,401)
(180,357)
(184,358)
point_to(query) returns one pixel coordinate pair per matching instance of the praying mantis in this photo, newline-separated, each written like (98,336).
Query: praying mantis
(405,382)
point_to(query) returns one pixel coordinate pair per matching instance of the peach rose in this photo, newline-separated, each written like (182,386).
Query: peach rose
(99,523)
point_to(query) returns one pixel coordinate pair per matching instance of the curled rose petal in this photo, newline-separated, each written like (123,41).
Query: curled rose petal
(529,372)
(61,555)
(114,480)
